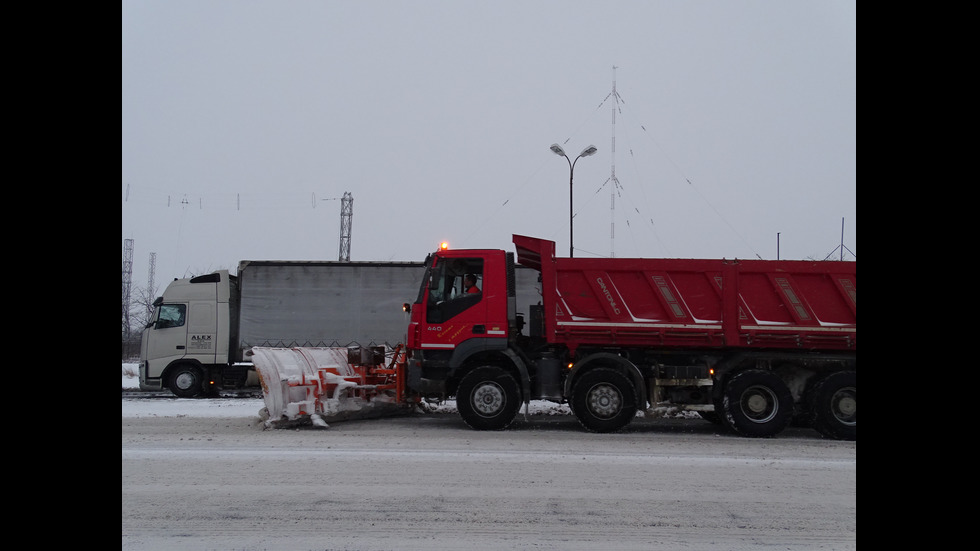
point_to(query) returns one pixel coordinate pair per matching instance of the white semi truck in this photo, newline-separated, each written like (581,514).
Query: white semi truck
(202,328)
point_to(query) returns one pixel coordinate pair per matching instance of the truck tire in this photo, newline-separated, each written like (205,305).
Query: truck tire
(604,400)
(488,398)
(833,406)
(757,403)
(185,381)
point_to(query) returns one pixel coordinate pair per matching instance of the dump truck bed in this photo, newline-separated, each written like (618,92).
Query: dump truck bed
(694,303)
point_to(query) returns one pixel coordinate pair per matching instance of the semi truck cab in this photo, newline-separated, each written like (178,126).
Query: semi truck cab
(188,331)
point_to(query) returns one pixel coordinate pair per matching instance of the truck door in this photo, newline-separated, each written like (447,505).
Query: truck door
(166,338)
(455,311)
(182,330)
(202,331)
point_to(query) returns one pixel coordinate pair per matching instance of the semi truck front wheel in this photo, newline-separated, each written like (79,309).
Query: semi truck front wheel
(185,381)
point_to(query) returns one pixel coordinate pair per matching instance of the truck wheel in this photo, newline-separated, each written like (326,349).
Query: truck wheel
(488,398)
(757,403)
(603,400)
(833,406)
(185,381)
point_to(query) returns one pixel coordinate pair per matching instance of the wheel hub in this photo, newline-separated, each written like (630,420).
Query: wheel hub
(756,404)
(759,404)
(488,399)
(844,404)
(184,381)
(604,401)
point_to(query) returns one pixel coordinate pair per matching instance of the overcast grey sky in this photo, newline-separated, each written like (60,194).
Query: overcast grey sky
(245,121)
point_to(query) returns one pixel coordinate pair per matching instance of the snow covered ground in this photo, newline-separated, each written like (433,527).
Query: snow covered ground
(429,482)
(187,407)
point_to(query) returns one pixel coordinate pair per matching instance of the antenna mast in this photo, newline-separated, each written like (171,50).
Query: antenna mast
(615,181)
(842,247)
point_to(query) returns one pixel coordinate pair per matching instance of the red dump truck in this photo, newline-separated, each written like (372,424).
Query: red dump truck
(752,344)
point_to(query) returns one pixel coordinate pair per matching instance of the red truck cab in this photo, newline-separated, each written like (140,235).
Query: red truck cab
(450,323)
(453,314)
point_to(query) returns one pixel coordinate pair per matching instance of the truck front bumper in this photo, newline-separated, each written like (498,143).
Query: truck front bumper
(418,381)
(148,384)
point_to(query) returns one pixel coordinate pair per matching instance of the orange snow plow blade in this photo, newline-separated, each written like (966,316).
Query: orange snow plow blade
(324,384)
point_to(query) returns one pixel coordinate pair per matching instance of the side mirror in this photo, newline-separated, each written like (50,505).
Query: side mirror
(406,307)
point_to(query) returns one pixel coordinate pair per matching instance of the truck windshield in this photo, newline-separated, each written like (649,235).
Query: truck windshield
(425,278)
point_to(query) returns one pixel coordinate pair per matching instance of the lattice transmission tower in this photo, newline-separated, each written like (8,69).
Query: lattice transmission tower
(127,284)
(346,216)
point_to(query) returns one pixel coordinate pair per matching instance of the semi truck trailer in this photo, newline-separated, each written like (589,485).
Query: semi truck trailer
(752,344)
(203,328)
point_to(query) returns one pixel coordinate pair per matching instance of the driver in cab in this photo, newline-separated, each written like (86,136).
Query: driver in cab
(469,284)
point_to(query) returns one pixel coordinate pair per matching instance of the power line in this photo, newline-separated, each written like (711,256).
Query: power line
(165,198)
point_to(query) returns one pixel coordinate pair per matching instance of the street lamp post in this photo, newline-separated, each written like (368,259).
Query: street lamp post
(571,171)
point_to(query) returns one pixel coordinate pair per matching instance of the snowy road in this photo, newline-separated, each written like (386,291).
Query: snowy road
(429,482)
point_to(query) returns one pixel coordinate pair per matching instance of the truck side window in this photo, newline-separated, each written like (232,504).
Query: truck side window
(171,315)
(447,291)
